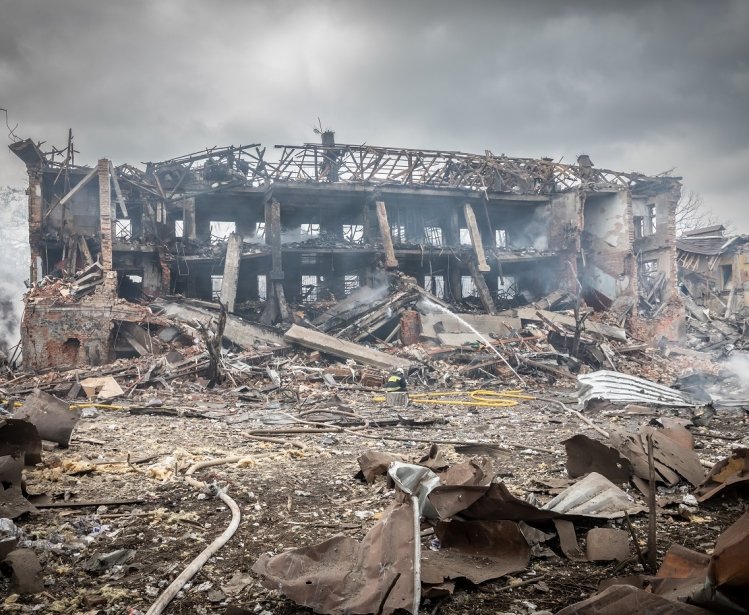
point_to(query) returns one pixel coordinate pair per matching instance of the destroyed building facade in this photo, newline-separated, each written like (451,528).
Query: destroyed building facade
(271,234)
(714,270)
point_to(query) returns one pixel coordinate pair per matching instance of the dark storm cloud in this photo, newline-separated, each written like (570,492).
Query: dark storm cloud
(639,85)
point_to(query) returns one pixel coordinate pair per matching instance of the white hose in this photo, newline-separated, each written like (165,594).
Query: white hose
(417,555)
(194,567)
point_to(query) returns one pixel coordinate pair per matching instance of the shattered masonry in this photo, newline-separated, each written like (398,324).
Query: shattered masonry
(320,220)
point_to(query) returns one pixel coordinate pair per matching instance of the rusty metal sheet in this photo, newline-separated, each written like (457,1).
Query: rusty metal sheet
(728,472)
(719,582)
(375,463)
(25,571)
(568,540)
(682,563)
(492,503)
(594,496)
(728,565)
(476,471)
(20,437)
(53,419)
(682,460)
(12,502)
(585,455)
(475,550)
(673,461)
(342,576)
(628,600)
(604,544)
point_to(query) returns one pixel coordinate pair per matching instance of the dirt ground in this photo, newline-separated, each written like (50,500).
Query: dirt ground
(291,496)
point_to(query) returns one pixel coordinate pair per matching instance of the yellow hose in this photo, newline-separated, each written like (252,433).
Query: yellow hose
(480,397)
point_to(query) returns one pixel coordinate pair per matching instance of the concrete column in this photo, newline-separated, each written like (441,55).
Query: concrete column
(387,241)
(36,218)
(231,271)
(478,244)
(105,214)
(189,230)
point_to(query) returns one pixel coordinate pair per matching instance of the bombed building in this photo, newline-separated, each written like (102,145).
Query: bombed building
(274,233)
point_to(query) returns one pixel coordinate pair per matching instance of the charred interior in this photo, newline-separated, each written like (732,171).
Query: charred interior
(273,239)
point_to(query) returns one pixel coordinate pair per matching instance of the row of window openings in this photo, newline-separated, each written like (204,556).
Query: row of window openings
(310,285)
(352,233)
(435,284)
(433,236)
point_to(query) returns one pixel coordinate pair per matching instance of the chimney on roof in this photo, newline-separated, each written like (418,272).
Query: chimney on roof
(584,161)
(328,137)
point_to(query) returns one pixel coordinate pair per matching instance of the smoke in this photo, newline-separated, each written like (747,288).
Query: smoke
(736,380)
(14,266)
(534,234)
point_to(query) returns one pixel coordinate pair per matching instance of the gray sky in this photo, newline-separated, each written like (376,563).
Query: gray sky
(639,86)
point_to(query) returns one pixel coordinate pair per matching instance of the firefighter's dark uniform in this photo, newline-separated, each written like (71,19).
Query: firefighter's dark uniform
(396,382)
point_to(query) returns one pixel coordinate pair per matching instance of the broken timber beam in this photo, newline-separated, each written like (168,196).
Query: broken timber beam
(74,190)
(231,271)
(341,348)
(482,288)
(83,247)
(478,245)
(387,241)
(118,191)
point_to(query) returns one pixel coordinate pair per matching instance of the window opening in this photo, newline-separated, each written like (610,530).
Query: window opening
(435,284)
(220,231)
(260,230)
(507,287)
(310,288)
(639,222)
(398,233)
(262,287)
(350,283)
(433,235)
(468,287)
(309,230)
(651,220)
(353,233)
(216,281)
(123,229)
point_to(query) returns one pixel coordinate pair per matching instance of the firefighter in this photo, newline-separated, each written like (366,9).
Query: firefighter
(396,381)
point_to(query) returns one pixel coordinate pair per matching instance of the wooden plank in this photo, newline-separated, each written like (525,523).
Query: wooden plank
(482,288)
(343,349)
(478,245)
(568,321)
(387,241)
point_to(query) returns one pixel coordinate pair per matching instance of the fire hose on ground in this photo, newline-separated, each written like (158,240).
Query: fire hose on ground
(194,567)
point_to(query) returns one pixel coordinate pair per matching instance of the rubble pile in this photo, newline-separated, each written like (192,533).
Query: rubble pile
(560,453)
